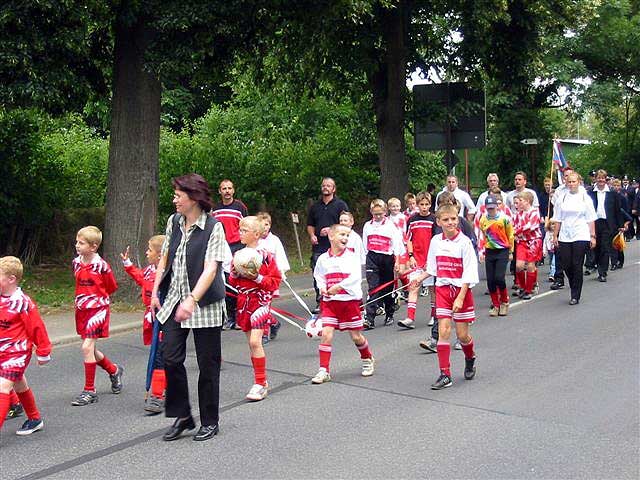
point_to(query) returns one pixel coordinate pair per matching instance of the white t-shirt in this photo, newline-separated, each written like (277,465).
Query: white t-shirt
(483,196)
(575,211)
(467,205)
(513,193)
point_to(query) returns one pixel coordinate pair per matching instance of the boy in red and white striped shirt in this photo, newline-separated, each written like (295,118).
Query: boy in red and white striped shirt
(383,244)
(528,243)
(338,275)
(94,284)
(452,260)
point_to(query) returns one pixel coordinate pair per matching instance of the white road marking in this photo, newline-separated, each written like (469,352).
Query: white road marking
(550,292)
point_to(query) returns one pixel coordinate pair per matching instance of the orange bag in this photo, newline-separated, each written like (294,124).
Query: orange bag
(618,242)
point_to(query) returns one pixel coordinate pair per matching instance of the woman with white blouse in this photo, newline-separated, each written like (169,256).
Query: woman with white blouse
(574,232)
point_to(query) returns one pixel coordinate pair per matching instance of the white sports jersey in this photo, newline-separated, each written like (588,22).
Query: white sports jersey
(344,269)
(355,245)
(452,262)
(273,245)
(382,237)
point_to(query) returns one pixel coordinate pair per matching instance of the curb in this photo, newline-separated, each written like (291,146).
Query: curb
(130,326)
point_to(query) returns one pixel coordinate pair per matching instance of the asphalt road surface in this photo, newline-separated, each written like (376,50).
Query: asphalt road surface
(556,396)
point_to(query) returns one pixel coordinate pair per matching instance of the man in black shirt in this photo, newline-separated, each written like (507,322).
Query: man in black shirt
(322,214)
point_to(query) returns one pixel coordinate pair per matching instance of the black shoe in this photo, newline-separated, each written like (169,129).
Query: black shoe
(205,432)
(179,426)
(274,330)
(574,301)
(556,286)
(369,324)
(602,278)
(587,272)
(443,381)
(614,267)
(116,379)
(469,368)
(525,296)
(84,398)
(15,410)
(388,321)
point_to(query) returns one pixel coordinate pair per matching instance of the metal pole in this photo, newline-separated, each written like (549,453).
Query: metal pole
(294,220)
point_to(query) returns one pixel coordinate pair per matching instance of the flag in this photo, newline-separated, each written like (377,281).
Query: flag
(559,160)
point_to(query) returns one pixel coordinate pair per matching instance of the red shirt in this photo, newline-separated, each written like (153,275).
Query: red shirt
(420,232)
(21,326)
(145,278)
(230,216)
(267,282)
(94,283)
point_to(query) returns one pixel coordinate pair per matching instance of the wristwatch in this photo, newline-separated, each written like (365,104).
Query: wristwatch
(195,299)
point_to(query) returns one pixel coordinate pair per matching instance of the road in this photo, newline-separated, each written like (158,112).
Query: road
(556,396)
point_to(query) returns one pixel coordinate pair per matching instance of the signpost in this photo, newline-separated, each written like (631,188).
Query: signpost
(295,220)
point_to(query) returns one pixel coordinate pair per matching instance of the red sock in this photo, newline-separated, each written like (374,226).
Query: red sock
(89,376)
(433,309)
(532,278)
(107,365)
(504,296)
(158,383)
(13,397)
(444,352)
(260,370)
(520,279)
(495,299)
(5,404)
(411,310)
(324,350)
(29,404)
(364,350)
(468,349)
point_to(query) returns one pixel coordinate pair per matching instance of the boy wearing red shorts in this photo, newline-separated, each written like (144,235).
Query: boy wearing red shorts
(528,243)
(255,292)
(94,284)
(20,329)
(452,260)
(339,278)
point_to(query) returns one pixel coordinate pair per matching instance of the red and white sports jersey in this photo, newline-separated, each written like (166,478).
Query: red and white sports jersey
(526,225)
(400,221)
(382,237)
(354,245)
(420,232)
(452,261)
(267,282)
(409,212)
(344,269)
(230,216)
(21,327)
(94,283)
(143,277)
(273,245)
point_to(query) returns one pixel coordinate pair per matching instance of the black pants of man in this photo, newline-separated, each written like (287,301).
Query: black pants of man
(379,270)
(602,252)
(314,259)
(495,263)
(572,258)
(208,354)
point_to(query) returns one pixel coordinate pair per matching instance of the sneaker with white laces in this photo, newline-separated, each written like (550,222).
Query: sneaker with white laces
(494,311)
(321,377)
(367,366)
(407,323)
(380,311)
(84,398)
(116,379)
(30,426)
(258,392)
(443,381)
(431,321)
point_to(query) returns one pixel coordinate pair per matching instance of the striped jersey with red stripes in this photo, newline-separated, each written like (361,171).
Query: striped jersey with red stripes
(95,282)
(230,216)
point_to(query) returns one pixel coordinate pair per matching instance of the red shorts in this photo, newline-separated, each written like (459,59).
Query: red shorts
(445,296)
(93,322)
(343,315)
(252,313)
(14,360)
(403,259)
(529,251)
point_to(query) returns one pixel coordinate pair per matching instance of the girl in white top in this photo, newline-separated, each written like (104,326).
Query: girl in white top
(574,232)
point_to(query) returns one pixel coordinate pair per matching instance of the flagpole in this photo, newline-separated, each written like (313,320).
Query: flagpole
(546,222)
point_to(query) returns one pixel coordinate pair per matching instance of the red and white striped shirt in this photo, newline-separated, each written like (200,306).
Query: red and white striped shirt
(382,237)
(452,261)
(343,269)
(94,283)
(354,245)
(230,216)
(526,225)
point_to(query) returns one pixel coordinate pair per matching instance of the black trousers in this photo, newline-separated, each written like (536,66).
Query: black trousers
(230,300)
(571,256)
(314,259)
(379,270)
(208,354)
(602,252)
(495,263)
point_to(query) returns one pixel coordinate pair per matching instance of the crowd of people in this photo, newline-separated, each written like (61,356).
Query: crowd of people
(218,268)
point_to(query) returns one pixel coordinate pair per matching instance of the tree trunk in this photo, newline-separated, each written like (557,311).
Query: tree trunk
(132,186)
(388,88)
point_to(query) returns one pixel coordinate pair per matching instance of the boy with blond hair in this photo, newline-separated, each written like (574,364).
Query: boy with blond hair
(145,278)
(528,243)
(94,285)
(21,328)
(255,291)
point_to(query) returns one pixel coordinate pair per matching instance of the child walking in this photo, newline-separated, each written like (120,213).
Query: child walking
(94,284)
(528,243)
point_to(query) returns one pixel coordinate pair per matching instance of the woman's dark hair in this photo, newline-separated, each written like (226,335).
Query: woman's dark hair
(196,187)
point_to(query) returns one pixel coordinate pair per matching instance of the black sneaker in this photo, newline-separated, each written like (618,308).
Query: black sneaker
(274,330)
(30,426)
(443,381)
(556,286)
(388,321)
(525,296)
(84,398)
(369,324)
(469,368)
(15,410)
(116,380)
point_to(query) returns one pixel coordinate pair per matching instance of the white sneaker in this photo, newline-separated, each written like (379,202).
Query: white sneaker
(321,377)
(367,366)
(258,392)
(407,323)
(431,321)
(458,345)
